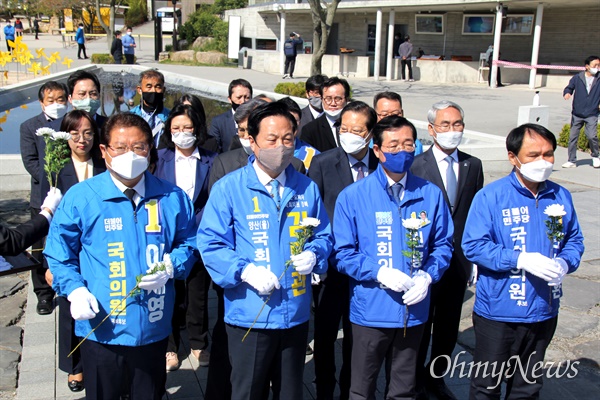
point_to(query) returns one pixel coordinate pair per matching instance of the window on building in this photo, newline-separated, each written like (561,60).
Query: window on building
(266,44)
(371,29)
(246,42)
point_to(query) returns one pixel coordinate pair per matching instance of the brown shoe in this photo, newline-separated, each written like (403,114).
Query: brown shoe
(172,361)
(203,357)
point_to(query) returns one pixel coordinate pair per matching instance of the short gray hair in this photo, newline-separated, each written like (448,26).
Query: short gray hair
(442,105)
(243,111)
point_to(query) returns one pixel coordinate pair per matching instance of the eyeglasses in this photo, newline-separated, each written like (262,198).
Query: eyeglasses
(331,100)
(459,125)
(399,147)
(393,113)
(141,149)
(355,132)
(86,136)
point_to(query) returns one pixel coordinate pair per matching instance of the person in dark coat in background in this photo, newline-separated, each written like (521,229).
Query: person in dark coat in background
(116,49)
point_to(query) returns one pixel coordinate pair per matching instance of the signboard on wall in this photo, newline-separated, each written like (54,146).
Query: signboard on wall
(235,26)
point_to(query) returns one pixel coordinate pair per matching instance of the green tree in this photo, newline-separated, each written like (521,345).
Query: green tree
(220,6)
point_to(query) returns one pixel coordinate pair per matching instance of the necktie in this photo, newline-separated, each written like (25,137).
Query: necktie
(359,168)
(336,127)
(275,192)
(450,181)
(130,193)
(396,188)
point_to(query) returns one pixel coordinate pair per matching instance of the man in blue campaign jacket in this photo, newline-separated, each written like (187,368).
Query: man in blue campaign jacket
(249,224)
(585,89)
(389,301)
(152,90)
(520,268)
(107,231)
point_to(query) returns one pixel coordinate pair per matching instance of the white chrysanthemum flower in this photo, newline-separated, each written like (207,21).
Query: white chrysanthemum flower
(314,222)
(61,135)
(555,210)
(168,264)
(44,131)
(412,223)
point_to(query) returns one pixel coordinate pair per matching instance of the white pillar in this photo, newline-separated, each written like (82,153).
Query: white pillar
(535,51)
(377,43)
(281,41)
(497,33)
(390,49)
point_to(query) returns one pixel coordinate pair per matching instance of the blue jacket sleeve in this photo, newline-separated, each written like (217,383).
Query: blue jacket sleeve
(350,260)
(480,244)
(571,86)
(183,252)
(216,241)
(572,245)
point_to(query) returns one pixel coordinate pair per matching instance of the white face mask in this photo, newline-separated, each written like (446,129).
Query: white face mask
(129,165)
(246,145)
(536,171)
(448,140)
(183,140)
(55,110)
(593,71)
(333,114)
(352,143)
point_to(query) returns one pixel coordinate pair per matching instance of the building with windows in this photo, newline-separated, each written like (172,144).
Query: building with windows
(550,33)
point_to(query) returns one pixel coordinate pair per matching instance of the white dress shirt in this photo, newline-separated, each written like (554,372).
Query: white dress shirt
(333,130)
(140,188)
(443,165)
(266,179)
(354,168)
(185,171)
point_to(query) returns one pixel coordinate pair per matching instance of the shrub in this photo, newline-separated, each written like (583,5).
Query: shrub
(136,15)
(582,142)
(103,58)
(291,89)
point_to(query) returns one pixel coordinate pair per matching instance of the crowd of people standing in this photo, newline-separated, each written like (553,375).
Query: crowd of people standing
(334,210)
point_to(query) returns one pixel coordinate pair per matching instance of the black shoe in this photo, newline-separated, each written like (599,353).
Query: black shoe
(439,388)
(85,58)
(79,58)
(309,350)
(75,386)
(44,307)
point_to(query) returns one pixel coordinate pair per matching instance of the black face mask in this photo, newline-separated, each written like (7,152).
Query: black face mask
(152,101)
(234,106)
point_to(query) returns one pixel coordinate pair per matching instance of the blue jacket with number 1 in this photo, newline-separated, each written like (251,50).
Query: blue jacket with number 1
(242,225)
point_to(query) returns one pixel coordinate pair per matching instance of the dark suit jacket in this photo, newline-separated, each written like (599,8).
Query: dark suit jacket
(332,173)
(305,117)
(318,134)
(32,154)
(165,169)
(470,181)
(14,241)
(223,129)
(67,177)
(236,159)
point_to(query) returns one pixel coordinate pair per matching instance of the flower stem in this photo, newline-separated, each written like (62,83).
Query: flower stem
(134,290)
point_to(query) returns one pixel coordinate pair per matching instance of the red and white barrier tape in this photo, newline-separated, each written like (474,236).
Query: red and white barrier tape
(517,65)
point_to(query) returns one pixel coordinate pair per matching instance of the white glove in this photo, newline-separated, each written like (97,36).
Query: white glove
(316,279)
(419,291)
(564,268)
(83,304)
(304,262)
(260,278)
(538,265)
(52,199)
(159,279)
(394,279)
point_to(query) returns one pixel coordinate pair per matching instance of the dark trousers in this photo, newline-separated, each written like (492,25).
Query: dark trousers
(370,346)
(8,46)
(406,63)
(42,290)
(591,131)
(218,385)
(332,307)
(109,369)
(37,31)
(178,319)
(129,58)
(290,64)
(267,355)
(81,47)
(444,319)
(498,76)
(496,342)
(118,58)
(198,283)
(67,339)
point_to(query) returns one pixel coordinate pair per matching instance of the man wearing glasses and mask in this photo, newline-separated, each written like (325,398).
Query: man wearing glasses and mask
(111,229)
(323,132)
(389,274)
